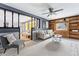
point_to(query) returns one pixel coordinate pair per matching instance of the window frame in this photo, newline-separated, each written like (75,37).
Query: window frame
(3,19)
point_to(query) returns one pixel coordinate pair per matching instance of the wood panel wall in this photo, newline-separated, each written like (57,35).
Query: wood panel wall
(52,25)
(66,33)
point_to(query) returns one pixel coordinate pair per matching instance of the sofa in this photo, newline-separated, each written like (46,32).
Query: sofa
(44,34)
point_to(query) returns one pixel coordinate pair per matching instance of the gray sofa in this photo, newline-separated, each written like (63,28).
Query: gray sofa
(44,34)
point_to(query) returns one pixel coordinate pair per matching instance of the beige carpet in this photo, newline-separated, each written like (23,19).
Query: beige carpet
(67,47)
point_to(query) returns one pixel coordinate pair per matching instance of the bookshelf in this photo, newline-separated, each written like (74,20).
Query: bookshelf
(74,27)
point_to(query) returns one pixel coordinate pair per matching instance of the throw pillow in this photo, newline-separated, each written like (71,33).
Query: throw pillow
(11,38)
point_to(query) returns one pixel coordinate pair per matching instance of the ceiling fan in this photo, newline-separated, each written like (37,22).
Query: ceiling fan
(52,11)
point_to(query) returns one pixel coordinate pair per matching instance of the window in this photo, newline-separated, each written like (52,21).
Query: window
(15,20)
(43,24)
(27,26)
(37,24)
(22,23)
(8,19)
(33,23)
(23,18)
(28,23)
(1,18)
(47,25)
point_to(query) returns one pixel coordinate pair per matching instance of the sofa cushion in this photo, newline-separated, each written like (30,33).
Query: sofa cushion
(50,32)
(46,36)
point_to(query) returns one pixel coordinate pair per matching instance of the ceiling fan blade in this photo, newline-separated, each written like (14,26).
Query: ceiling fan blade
(54,13)
(58,10)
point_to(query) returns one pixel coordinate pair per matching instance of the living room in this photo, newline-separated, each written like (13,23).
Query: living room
(50,28)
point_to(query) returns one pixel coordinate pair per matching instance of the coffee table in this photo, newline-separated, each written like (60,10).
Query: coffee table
(57,37)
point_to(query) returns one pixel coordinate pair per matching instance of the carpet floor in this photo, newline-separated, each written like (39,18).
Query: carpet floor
(49,47)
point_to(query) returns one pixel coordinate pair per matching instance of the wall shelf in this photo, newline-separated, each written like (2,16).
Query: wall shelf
(74,27)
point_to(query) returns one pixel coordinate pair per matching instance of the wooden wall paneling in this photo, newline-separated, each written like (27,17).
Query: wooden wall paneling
(64,33)
(51,25)
(73,27)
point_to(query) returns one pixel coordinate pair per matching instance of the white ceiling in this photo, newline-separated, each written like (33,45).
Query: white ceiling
(39,8)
